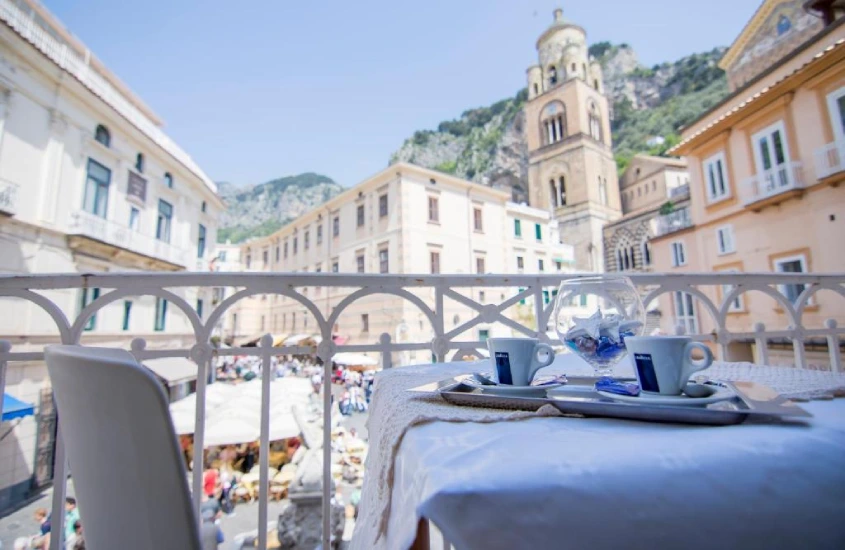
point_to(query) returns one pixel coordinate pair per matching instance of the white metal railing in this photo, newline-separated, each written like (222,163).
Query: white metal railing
(830,159)
(674,221)
(680,191)
(122,236)
(8,197)
(69,60)
(783,178)
(444,345)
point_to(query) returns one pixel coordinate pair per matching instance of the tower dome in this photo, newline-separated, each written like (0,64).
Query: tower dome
(562,50)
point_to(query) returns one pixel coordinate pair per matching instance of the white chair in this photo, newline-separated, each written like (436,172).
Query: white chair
(127,468)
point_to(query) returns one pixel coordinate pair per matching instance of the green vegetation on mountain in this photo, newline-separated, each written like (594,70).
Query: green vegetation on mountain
(257,211)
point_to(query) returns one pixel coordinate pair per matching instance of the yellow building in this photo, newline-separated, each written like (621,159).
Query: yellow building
(766,166)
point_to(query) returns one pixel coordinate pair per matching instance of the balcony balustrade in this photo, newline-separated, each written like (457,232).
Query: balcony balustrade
(446,344)
(674,221)
(772,186)
(830,159)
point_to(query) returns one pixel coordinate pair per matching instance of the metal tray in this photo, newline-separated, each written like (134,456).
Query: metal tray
(578,397)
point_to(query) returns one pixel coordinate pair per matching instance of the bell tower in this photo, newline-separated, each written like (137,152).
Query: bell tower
(571,170)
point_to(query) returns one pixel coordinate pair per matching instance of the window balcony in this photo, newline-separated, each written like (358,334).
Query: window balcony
(773,186)
(442,344)
(682,191)
(675,221)
(830,159)
(90,231)
(8,198)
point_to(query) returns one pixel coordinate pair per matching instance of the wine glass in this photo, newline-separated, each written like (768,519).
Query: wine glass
(594,315)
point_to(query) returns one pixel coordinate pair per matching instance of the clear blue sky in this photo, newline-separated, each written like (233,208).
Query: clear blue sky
(260,89)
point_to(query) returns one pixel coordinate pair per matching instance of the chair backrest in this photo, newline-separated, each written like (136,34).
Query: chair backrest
(128,471)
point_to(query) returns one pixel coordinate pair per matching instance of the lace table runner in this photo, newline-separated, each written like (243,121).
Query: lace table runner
(394,411)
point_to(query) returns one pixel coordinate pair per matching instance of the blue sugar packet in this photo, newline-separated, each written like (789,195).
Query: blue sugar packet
(608,384)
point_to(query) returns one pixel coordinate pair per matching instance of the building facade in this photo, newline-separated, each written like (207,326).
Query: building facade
(89,182)
(766,172)
(655,193)
(571,172)
(404,220)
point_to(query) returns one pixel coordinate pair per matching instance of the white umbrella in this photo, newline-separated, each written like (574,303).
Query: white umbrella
(358,359)
(230,431)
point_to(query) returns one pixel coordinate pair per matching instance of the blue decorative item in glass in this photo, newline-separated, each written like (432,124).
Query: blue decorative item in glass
(594,315)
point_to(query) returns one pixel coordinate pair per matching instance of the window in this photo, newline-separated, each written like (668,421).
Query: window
(127,312)
(278,253)
(168,181)
(538,231)
(479,265)
(771,156)
(320,234)
(335,266)
(552,123)
(477,221)
(87,296)
(520,263)
(359,260)
(481,298)
(541,266)
(96,199)
(134,218)
(365,322)
(595,121)
(679,254)
(558,265)
(102,135)
(736,303)
(836,109)
(285,249)
(383,264)
(552,76)
(433,209)
(165,218)
(434,261)
(603,190)
(204,207)
(295,245)
(546,297)
(685,312)
(139,163)
(306,239)
(715,177)
(265,258)
(483,334)
(792,264)
(161,314)
(382,206)
(646,252)
(201,242)
(517,228)
(360,215)
(725,239)
(335,226)
(536,89)
(200,305)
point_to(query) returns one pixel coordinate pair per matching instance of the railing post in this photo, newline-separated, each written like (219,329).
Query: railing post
(439,317)
(833,345)
(264,440)
(798,347)
(57,521)
(201,355)
(325,351)
(386,355)
(538,307)
(760,343)
(5,347)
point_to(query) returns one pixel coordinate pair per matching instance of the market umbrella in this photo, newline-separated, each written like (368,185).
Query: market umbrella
(230,430)
(354,359)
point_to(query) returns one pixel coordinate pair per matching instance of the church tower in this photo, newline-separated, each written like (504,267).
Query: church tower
(571,169)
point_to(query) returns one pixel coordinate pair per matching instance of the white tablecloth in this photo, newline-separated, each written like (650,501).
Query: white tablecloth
(604,483)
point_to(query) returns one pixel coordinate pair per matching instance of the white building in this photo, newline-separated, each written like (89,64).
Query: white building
(404,220)
(226,259)
(89,182)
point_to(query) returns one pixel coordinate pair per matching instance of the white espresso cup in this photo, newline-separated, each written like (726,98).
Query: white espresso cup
(664,363)
(517,360)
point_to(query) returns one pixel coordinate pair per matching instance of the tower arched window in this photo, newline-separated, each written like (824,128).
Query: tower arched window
(536,89)
(552,75)
(562,190)
(552,123)
(646,251)
(102,135)
(594,118)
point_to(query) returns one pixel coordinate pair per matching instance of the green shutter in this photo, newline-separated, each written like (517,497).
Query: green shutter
(517,228)
(538,231)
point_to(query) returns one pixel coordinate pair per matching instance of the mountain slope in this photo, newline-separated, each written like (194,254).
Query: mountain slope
(488,143)
(254,211)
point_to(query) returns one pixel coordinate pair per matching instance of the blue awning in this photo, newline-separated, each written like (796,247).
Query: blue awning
(15,408)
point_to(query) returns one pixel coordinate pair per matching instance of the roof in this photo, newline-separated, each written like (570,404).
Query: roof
(747,32)
(173,370)
(832,51)
(560,22)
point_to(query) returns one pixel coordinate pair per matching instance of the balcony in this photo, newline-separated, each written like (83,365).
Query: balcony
(8,198)
(670,223)
(444,343)
(85,227)
(830,159)
(773,186)
(682,191)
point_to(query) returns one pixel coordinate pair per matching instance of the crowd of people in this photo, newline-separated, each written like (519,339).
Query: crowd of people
(249,367)
(72,538)
(358,389)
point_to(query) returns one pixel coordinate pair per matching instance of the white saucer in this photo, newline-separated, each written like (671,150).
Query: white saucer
(511,391)
(721,394)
